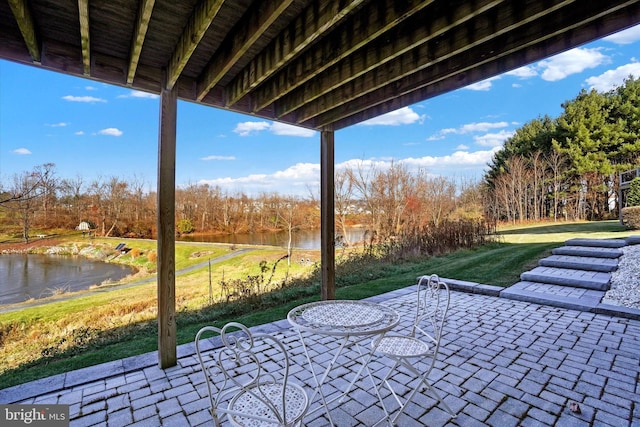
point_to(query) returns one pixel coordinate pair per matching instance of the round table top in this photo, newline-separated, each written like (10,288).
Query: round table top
(343,317)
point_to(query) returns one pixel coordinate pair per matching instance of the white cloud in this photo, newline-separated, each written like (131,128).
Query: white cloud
(289,130)
(436,137)
(139,94)
(493,139)
(59,125)
(300,176)
(468,128)
(571,62)
(299,172)
(627,36)
(111,132)
(483,85)
(89,99)
(457,159)
(276,128)
(90,88)
(481,127)
(402,116)
(462,147)
(79,133)
(523,72)
(21,151)
(613,78)
(214,157)
(249,128)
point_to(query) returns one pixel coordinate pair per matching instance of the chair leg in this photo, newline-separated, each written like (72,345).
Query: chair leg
(422,380)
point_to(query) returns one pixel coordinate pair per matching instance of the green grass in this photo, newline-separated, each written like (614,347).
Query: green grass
(500,263)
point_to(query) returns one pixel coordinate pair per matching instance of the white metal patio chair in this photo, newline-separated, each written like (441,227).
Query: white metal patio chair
(248,378)
(417,352)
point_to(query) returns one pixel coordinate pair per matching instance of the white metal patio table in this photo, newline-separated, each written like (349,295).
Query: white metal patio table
(351,322)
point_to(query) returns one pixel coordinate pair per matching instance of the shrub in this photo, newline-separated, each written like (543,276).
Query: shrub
(185,226)
(634,192)
(631,217)
(152,256)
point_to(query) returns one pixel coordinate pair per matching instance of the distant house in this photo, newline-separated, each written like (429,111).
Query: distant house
(85,227)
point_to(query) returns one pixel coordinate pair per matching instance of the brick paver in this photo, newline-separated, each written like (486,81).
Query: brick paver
(503,362)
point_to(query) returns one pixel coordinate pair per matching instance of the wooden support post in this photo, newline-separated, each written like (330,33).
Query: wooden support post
(167,350)
(327,216)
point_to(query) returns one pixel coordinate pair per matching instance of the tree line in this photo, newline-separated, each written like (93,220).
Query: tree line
(564,168)
(568,167)
(385,201)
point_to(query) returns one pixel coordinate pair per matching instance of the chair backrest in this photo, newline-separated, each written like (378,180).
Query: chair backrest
(236,361)
(431,309)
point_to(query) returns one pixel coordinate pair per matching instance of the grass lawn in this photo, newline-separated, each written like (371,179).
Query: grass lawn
(97,327)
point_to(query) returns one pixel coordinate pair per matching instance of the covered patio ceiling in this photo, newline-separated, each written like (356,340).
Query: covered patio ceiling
(319,64)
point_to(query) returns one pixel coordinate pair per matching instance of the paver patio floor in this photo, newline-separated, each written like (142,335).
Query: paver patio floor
(503,363)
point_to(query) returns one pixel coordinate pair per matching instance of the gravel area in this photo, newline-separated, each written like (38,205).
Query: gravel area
(625,281)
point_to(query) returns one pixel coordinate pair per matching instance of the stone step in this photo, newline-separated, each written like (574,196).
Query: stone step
(595,280)
(580,263)
(554,295)
(588,251)
(597,243)
(633,240)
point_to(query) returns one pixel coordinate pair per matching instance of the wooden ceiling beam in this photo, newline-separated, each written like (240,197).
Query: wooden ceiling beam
(310,25)
(370,23)
(142,24)
(437,43)
(83,12)
(22,15)
(199,22)
(516,49)
(239,42)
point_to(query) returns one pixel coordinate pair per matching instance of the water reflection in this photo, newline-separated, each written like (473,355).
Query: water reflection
(26,276)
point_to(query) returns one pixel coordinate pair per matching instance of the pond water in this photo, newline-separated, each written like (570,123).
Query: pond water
(26,276)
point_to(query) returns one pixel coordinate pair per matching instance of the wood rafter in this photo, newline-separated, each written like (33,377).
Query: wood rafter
(369,23)
(25,22)
(312,100)
(238,42)
(198,24)
(83,12)
(528,46)
(142,24)
(305,29)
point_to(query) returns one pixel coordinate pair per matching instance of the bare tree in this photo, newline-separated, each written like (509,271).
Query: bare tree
(558,164)
(440,196)
(29,188)
(343,202)
(72,195)
(361,178)
(538,187)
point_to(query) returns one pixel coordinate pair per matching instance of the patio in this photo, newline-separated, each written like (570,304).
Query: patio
(503,362)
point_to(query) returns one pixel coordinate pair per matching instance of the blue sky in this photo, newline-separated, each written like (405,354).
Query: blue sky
(97,131)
